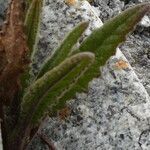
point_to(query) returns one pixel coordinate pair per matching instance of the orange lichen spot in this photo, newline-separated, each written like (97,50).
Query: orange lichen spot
(121,64)
(64,113)
(71,2)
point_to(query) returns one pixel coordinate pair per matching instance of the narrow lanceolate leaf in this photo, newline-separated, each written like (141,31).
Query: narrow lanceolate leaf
(29,1)
(115,28)
(26,4)
(32,22)
(103,43)
(48,89)
(64,49)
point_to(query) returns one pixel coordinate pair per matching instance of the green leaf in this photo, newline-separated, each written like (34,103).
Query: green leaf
(103,42)
(32,22)
(48,89)
(64,49)
(115,28)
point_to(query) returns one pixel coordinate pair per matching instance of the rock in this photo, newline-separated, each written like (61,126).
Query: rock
(145,21)
(137,46)
(3,7)
(137,51)
(115,113)
(107,9)
(56,24)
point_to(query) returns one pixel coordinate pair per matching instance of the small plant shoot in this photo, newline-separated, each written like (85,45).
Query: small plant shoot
(25,102)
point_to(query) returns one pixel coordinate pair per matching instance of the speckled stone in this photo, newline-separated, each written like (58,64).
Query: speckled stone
(3,7)
(145,21)
(114,114)
(137,49)
(137,46)
(59,18)
(108,8)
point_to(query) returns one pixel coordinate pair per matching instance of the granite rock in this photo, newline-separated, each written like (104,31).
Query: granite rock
(59,18)
(108,8)
(3,7)
(137,46)
(137,51)
(114,114)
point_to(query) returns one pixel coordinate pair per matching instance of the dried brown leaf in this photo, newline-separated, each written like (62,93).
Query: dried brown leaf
(14,46)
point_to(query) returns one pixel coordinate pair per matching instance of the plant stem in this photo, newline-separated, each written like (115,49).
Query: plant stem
(14,112)
(46,140)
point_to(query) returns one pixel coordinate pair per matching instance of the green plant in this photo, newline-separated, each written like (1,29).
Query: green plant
(25,101)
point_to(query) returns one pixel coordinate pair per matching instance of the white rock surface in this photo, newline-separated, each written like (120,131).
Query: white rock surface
(145,21)
(114,114)
(137,46)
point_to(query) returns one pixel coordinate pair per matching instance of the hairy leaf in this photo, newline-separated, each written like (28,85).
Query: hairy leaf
(54,84)
(103,42)
(64,49)
(32,22)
